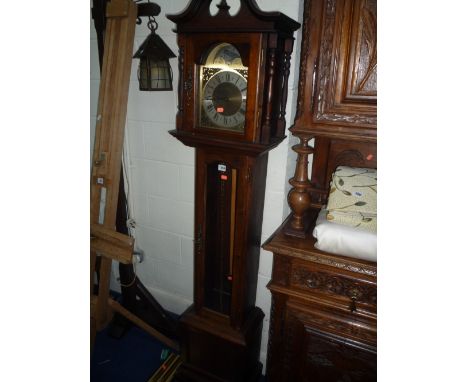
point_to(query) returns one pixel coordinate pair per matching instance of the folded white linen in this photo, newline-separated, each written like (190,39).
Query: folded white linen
(344,240)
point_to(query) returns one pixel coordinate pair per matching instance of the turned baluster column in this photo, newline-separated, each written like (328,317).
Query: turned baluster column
(285,70)
(299,199)
(269,94)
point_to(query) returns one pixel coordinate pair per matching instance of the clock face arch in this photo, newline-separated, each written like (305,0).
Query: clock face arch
(225,54)
(224,99)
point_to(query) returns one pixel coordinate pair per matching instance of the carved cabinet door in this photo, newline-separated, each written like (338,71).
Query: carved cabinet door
(315,352)
(338,79)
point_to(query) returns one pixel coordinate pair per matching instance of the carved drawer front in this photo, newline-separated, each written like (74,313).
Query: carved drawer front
(356,293)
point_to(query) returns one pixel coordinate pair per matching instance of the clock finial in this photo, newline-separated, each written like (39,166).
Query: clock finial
(223,6)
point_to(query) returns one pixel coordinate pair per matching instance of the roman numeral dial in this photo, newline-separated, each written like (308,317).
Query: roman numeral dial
(224,100)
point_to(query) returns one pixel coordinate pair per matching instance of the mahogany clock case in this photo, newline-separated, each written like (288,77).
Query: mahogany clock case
(221,332)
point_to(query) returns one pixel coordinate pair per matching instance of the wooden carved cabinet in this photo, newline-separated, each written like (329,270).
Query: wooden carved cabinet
(323,323)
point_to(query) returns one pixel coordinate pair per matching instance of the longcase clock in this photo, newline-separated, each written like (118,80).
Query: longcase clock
(233,84)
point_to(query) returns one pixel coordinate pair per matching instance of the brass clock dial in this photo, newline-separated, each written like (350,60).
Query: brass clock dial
(223,90)
(224,100)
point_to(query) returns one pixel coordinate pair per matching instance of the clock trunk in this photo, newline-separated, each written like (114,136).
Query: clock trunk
(228,218)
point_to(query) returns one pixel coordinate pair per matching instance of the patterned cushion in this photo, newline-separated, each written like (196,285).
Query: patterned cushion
(353,197)
(354,219)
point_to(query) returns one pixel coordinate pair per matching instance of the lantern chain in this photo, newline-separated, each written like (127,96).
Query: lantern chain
(152,24)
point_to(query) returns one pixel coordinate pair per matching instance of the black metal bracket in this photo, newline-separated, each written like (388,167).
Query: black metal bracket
(144,10)
(147,9)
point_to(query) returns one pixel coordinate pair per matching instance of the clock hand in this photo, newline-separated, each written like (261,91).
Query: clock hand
(221,98)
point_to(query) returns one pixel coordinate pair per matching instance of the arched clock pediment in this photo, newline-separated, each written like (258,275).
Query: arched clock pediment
(249,17)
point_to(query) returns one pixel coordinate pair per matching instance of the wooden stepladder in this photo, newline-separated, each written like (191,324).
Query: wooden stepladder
(110,127)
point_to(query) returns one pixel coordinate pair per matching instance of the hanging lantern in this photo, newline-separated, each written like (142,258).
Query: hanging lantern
(154,71)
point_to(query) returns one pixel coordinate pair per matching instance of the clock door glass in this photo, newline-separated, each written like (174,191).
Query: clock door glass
(223,90)
(220,223)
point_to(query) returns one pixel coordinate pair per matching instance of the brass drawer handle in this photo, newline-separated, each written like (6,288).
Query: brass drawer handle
(352,306)
(354,294)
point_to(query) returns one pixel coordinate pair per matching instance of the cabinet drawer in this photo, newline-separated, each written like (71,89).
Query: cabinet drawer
(337,287)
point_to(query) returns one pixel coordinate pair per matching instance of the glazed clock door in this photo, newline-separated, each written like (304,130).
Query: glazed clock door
(223,90)
(220,96)
(221,194)
(219,180)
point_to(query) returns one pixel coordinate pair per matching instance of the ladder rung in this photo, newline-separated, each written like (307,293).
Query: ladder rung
(112,244)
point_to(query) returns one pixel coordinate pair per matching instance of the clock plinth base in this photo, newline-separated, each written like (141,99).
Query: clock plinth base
(214,351)
(187,373)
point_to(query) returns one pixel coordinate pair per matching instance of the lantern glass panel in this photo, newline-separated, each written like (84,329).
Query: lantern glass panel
(161,75)
(143,74)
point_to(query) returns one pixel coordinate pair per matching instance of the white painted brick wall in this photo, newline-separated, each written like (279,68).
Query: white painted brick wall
(160,174)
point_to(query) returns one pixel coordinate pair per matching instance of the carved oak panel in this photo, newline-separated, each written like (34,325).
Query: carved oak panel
(325,354)
(362,66)
(347,71)
(333,285)
(338,74)
(315,351)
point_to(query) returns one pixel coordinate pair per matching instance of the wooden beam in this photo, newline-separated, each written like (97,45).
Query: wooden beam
(112,109)
(142,324)
(112,244)
(101,311)
(117,9)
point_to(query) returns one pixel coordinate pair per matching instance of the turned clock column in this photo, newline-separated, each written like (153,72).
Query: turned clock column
(232,95)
